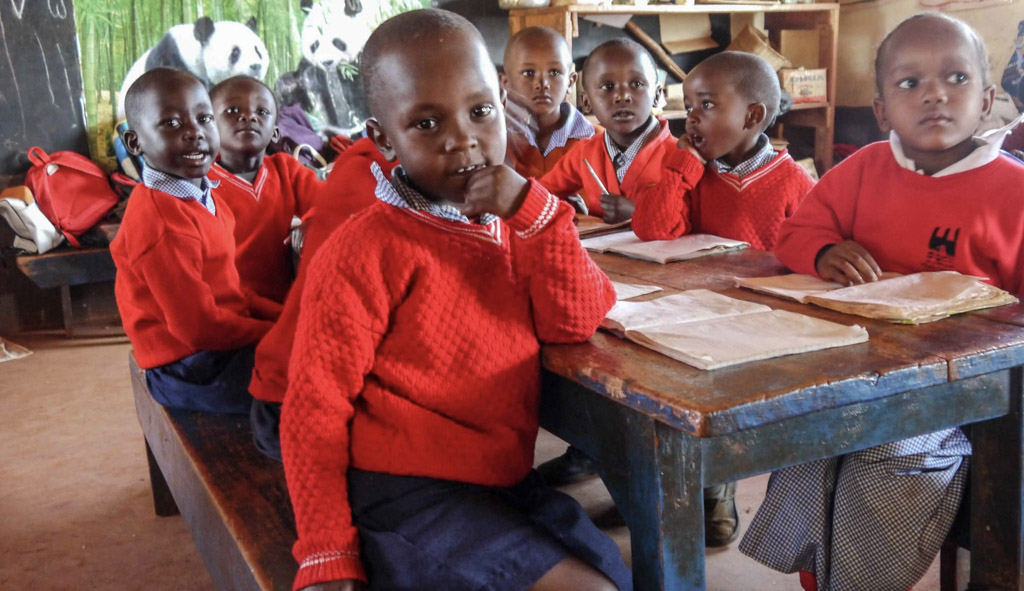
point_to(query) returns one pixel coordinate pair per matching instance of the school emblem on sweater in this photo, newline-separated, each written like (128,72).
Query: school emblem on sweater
(942,249)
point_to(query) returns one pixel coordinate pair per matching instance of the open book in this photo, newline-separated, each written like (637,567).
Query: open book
(708,330)
(686,247)
(911,299)
(625,291)
(588,225)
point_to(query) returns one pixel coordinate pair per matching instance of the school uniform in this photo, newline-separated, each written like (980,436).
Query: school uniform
(875,519)
(180,297)
(349,189)
(414,386)
(747,202)
(263,211)
(530,160)
(623,172)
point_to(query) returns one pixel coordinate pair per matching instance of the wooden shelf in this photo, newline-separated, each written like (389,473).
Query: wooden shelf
(820,17)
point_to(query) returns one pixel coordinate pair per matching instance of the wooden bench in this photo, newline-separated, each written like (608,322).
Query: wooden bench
(232,497)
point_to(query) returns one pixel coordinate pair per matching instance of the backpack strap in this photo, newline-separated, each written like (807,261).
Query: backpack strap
(38,156)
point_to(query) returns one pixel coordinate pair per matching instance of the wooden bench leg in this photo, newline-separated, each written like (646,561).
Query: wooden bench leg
(163,502)
(65,302)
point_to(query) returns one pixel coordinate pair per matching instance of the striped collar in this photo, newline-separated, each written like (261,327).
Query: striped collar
(575,127)
(396,191)
(764,154)
(621,159)
(221,174)
(181,188)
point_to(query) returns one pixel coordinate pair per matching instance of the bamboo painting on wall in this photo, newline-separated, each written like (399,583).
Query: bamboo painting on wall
(305,50)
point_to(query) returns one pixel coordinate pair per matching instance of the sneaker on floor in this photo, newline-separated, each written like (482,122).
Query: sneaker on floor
(569,468)
(721,520)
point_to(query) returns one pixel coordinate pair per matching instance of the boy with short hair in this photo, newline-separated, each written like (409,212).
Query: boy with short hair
(933,197)
(263,192)
(411,414)
(177,288)
(725,178)
(537,74)
(621,84)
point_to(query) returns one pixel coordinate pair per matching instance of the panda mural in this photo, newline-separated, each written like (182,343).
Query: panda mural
(212,51)
(333,35)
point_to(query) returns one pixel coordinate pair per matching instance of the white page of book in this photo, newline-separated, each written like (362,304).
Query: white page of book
(685,247)
(625,291)
(795,286)
(721,342)
(688,306)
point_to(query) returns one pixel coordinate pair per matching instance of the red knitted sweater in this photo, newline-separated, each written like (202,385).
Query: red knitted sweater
(570,176)
(698,199)
(263,211)
(177,287)
(970,222)
(349,190)
(417,353)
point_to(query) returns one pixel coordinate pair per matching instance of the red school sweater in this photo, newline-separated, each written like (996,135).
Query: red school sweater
(177,287)
(969,222)
(349,190)
(417,353)
(263,212)
(570,176)
(693,198)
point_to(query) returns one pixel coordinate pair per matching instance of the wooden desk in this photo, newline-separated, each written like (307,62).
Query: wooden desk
(662,430)
(822,18)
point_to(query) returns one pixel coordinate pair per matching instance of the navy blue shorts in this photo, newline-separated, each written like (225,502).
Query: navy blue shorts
(208,381)
(424,533)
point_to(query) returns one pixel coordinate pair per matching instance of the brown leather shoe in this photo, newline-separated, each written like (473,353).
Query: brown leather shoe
(721,520)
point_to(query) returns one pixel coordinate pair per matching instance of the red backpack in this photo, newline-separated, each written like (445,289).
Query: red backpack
(72,192)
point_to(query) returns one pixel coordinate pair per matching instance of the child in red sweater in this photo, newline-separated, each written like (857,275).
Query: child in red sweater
(931,198)
(621,85)
(349,190)
(263,192)
(537,74)
(725,178)
(411,414)
(177,288)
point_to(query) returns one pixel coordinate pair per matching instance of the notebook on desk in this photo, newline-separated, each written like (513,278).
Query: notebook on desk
(708,330)
(911,299)
(686,247)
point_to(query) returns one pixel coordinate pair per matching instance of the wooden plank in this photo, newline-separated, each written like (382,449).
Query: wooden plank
(68,267)
(232,498)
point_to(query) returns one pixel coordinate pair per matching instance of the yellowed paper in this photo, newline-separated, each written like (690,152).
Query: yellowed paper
(682,33)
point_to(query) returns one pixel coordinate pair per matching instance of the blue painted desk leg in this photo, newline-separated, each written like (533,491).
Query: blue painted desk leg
(997,497)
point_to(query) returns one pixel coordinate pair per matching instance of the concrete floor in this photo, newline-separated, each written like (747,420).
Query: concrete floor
(75,506)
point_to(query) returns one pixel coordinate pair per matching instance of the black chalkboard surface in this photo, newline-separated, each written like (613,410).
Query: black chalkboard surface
(40,82)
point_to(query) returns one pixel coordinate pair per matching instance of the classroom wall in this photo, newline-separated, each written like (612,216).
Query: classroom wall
(863,26)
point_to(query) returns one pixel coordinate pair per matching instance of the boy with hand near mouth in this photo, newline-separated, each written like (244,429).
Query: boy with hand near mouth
(263,192)
(724,177)
(537,74)
(621,85)
(177,288)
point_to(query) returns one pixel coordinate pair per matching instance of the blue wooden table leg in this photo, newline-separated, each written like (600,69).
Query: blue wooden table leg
(997,497)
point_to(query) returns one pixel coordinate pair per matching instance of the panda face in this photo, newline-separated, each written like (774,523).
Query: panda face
(330,37)
(234,49)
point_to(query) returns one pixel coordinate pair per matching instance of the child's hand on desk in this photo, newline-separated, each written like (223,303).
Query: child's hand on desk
(494,189)
(847,263)
(616,208)
(345,585)
(684,143)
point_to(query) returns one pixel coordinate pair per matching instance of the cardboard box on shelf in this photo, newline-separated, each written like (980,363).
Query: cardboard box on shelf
(806,85)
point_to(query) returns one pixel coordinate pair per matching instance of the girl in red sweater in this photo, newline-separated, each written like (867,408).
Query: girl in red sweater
(411,414)
(933,197)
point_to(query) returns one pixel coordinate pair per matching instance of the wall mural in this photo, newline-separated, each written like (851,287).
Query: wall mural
(306,50)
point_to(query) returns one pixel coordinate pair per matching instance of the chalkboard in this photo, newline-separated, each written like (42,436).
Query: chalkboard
(40,82)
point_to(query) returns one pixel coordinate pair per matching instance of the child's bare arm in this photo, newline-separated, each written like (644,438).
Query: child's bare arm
(495,189)
(616,208)
(848,263)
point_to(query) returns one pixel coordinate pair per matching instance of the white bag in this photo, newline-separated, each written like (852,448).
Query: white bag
(33,232)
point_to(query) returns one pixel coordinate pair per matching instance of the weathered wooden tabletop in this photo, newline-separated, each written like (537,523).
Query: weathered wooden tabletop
(663,430)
